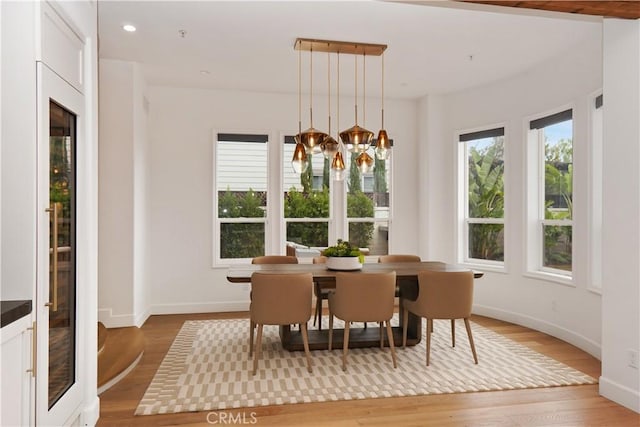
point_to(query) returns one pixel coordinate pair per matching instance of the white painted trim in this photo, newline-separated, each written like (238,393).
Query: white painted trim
(142,317)
(580,341)
(90,413)
(620,394)
(110,320)
(209,307)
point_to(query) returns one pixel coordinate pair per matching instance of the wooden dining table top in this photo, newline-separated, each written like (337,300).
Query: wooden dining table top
(241,273)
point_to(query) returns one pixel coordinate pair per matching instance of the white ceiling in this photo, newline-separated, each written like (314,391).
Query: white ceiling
(249,45)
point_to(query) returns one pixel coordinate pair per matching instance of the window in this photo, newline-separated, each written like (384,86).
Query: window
(306,199)
(368,205)
(552,140)
(483,218)
(240,202)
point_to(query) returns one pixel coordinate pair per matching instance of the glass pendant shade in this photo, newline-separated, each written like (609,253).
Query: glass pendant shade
(337,165)
(383,146)
(329,147)
(299,161)
(364,162)
(356,139)
(312,140)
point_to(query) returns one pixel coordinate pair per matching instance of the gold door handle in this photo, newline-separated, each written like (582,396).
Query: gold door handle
(34,339)
(55,207)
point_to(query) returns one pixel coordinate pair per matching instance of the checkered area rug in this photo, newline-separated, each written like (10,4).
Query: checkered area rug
(208,368)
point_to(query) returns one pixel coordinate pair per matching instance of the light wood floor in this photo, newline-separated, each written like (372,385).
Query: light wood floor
(556,406)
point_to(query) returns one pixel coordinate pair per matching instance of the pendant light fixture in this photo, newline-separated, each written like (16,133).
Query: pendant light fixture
(311,138)
(356,139)
(299,161)
(383,145)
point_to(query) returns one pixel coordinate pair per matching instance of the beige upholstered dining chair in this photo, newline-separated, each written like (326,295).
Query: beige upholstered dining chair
(267,259)
(274,259)
(398,258)
(280,299)
(363,297)
(442,295)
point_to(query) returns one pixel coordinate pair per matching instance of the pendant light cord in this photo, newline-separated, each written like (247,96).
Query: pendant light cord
(382,127)
(364,89)
(299,87)
(311,86)
(329,86)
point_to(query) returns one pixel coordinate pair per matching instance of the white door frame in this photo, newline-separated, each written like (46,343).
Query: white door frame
(52,87)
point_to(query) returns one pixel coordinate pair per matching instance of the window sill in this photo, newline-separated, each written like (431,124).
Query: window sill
(551,277)
(493,268)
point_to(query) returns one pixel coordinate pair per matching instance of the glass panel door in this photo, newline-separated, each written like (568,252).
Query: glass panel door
(62,247)
(60,333)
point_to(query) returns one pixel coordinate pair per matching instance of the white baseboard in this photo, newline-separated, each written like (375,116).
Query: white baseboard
(110,320)
(580,341)
(620,394)
(90,413)
(209,307)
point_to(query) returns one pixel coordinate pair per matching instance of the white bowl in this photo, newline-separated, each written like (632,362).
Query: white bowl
(343,263)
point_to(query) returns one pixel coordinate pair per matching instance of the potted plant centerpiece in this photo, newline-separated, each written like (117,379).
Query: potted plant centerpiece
(343,256)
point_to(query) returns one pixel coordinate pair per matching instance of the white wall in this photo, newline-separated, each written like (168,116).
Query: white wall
(182,122)
(18,151)
(123,257)
(565,81)
(621,215)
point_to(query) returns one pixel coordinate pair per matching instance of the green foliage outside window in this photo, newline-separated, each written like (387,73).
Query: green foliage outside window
(486,200)
(241,240)
(359,205)
(314,204)
(558,182)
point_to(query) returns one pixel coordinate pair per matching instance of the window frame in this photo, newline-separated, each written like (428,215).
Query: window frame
(535,165)
(217,261)
(388,221)
(286,163)
(596,139)
(464,221)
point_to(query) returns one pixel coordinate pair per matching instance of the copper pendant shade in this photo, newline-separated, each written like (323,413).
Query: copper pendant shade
(356,139)
(299,161)
(311,139)
(364,162)
(383,145)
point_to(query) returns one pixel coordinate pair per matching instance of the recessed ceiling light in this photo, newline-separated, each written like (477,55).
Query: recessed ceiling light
(129,28)
(205,72)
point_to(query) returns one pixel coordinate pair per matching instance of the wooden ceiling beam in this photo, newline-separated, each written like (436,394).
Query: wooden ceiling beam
(626,9)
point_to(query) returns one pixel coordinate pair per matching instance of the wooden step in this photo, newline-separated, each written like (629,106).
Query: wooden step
(121,351)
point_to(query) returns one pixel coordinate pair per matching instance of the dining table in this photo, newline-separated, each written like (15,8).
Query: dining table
(323,277)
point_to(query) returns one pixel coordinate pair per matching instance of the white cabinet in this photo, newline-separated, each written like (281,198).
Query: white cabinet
(16,376)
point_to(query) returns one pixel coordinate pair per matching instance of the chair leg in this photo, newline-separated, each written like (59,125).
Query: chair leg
(473,347)
(251,328)
(256,354)
(391,345)
(331,330)
(305,341)
(453,332)
(429,327)
(381,335)
(318,314)
(345,346)
(405,325)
